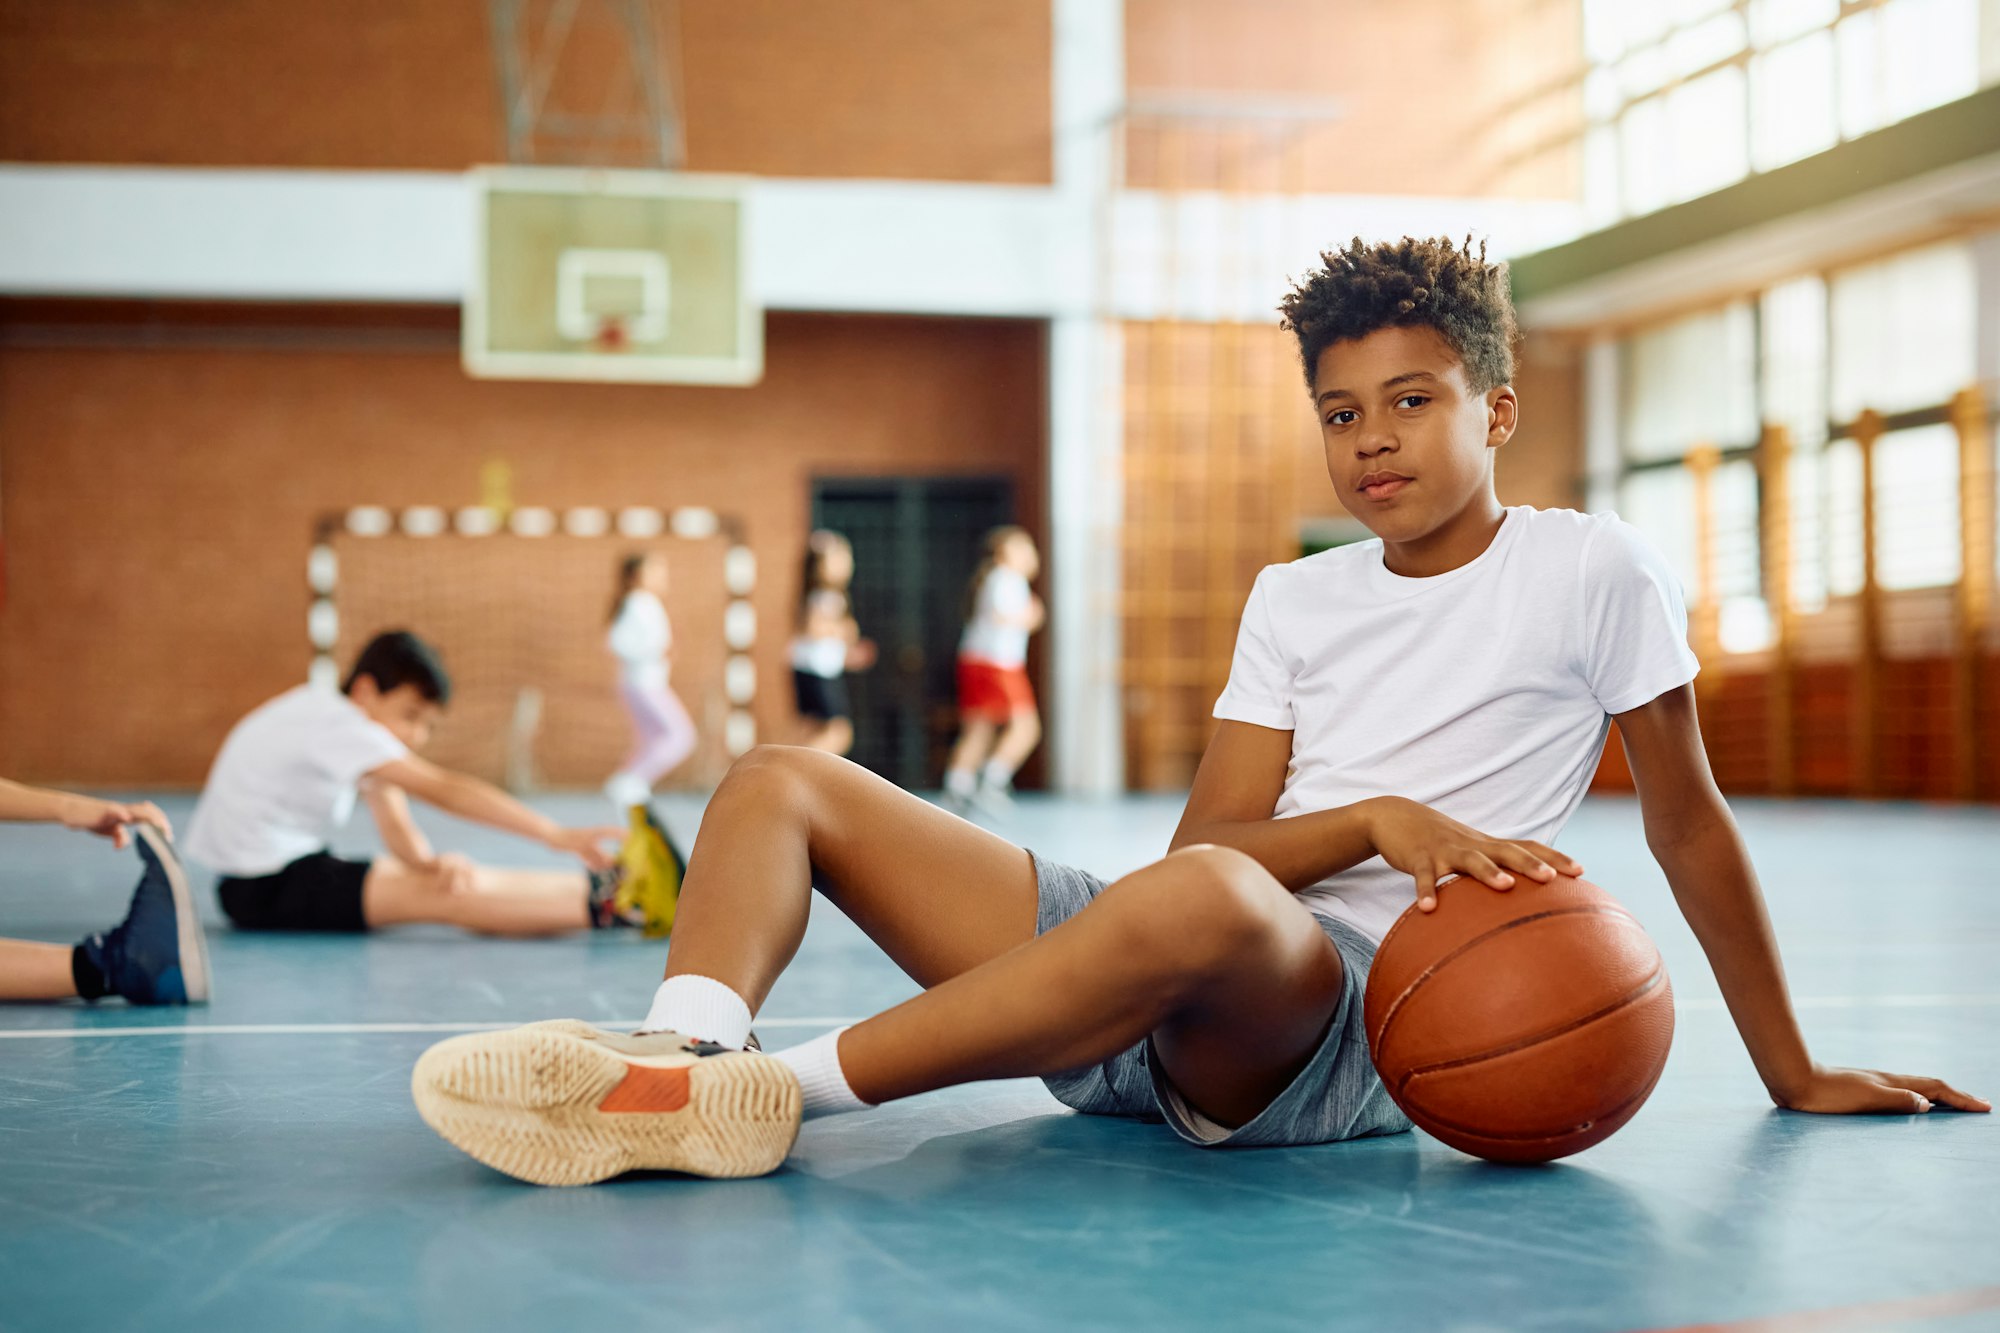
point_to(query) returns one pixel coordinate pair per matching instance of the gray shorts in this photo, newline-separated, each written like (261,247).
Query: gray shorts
(1336,1096)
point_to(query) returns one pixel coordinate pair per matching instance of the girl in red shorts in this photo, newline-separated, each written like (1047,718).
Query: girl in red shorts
(994,697)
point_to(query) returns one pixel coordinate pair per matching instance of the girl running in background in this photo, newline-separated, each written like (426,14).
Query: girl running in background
(642,639)
(993,690)
(828,644)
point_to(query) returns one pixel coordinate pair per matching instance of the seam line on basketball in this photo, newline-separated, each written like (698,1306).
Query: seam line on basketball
(1494,1137)
(1416,982)
(1639,992)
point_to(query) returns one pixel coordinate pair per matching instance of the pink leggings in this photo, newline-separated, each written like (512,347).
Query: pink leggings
(663,732)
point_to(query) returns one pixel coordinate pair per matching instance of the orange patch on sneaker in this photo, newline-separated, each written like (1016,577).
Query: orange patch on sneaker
(648,1089)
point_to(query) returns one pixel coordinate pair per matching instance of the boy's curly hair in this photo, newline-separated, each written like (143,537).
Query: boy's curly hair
(1399,284)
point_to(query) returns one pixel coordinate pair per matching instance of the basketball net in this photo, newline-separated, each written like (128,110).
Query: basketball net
(611,334)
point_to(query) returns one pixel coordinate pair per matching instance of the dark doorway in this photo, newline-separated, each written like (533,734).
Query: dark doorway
(916,542)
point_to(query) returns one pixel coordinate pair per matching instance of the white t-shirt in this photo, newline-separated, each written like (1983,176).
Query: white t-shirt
(822,655)
(285,780)
(640,638)
(1003,592)
(1484,692)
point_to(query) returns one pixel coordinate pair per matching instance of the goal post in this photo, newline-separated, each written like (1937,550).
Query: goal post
(518,604)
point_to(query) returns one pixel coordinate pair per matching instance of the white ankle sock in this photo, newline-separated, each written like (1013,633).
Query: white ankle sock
(817,1063)
(702,1008)
(960,781)
(996,773)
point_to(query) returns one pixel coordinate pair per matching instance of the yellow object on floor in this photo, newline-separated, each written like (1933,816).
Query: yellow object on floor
(653,869)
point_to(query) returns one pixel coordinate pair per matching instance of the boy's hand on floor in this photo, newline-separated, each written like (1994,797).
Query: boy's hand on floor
(1832,1091)
(1428,846)
(587,845)
(107,819)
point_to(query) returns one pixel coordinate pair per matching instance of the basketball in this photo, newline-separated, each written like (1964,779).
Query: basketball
(1520,1026)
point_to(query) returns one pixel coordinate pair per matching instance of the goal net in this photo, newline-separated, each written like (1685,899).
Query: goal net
(519,611)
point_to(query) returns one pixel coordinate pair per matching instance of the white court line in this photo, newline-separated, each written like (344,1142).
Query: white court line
(1701,1003)
(337,1029)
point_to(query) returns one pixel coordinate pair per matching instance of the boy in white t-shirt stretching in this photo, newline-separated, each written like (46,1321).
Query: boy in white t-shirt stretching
(1429,703)
(288,777)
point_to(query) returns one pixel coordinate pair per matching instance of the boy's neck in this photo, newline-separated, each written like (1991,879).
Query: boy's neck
(1459,541)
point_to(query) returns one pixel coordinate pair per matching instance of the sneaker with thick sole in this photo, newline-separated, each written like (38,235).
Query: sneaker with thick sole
(157,954)
(565,1103)
(653,871)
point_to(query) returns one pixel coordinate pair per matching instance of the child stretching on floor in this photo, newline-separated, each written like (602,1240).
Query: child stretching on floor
(1426,704)
(156,955)
(288,776)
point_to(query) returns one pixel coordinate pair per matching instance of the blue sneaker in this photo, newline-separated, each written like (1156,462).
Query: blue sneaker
(157,954)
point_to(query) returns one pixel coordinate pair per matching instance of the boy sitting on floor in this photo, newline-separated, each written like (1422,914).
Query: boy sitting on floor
(156,955)
(288,776)
(1427,704)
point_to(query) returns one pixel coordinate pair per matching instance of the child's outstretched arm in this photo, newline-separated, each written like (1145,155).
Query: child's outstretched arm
(21,804)
(1694,838)
(483,803)
(1235,796)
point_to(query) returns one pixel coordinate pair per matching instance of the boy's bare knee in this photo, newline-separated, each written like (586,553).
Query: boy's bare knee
(1201,909)
(772,772)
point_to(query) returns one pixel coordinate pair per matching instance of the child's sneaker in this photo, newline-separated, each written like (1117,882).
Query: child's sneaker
(605,912)
(565,1103)
(157,954)
(653,868)
(995,802)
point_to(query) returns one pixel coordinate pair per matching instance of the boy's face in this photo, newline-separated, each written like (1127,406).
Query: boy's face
(404,711)
(1408,443)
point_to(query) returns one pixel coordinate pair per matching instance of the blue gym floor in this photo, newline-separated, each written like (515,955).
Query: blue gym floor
(257,1164)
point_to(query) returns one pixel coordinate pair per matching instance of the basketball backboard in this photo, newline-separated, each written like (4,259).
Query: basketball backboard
(626,276)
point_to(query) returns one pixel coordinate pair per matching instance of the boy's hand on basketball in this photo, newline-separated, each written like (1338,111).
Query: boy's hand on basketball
(108,819)
(1833,1091)
(587,844)
(1429,847)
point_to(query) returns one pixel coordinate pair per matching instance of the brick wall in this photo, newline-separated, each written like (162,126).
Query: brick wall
(915,89)
(161,473)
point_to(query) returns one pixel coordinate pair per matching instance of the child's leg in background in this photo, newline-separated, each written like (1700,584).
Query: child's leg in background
(975,741)
(1023,733)
(664,738)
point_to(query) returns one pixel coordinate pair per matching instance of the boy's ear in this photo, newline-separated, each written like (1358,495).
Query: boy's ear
(364,690)
(1503,414)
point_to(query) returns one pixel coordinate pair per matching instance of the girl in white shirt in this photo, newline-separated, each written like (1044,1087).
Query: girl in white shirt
(995,699)
(641,638)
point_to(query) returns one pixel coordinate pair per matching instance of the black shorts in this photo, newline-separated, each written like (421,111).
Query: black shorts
(820,697)
(316,892)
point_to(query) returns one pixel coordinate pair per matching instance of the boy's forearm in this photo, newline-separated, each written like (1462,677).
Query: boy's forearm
(1300,851)
(483,803)
(1710,873)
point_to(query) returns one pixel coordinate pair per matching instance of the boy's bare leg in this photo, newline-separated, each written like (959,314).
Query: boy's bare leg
(498,902)
(938,894)
(30,970)
(1234,979)
(1228,973)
